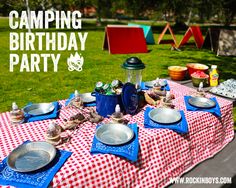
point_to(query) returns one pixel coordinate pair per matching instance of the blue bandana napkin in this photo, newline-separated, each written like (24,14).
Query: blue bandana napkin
(129,150)
(179,127)
(72,95)
(52,115)
(144,87)
(40,178)
(215,110)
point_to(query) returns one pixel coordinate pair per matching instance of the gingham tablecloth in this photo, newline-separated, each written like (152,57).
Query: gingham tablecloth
(164,154)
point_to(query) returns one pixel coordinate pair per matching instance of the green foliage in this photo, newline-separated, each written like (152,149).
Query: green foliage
(222,11)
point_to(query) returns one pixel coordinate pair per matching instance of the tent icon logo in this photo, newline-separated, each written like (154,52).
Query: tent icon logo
(75,62)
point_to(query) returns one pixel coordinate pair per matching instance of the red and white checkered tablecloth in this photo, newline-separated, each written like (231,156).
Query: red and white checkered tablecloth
(164,154)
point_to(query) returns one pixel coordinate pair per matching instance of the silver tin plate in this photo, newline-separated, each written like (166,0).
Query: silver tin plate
(87,98)
(150,83)
(165,115)
(31,156)
(39,109)
(201,102)
(114,134)
(162,83)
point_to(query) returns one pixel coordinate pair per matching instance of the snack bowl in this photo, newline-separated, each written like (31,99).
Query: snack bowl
(193,67)
(197,81)
(199,77)
(177,73)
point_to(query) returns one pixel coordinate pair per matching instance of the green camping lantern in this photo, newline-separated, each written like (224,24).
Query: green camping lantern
(133,68)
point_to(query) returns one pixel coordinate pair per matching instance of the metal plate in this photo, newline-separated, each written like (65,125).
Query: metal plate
(114,134)
(165,115)
(39,109)
(150,83)
(162,82)
(87,98)
(31,156)
(201,102)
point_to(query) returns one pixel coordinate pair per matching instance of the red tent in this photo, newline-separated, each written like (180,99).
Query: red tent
(194,31)
(121,39)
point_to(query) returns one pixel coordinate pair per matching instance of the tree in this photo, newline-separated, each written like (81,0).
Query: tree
(229,11)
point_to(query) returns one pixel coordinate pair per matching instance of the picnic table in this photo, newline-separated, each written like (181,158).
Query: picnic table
(163,154)
(189,83)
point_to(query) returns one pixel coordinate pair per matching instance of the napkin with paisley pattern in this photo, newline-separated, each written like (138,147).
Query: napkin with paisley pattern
(215,110)
(179,127)
(128,151)
(40,178)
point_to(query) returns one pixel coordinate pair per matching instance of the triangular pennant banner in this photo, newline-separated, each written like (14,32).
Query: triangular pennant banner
(121,39)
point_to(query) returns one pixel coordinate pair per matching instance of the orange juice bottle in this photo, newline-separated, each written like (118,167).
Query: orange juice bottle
(214,76)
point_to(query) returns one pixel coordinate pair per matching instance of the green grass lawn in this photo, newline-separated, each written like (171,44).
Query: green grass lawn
(98,65)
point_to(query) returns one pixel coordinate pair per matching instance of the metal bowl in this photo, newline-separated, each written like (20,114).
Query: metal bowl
(87,98)
(114,134)
(201,102)
(162,82)
(165,115)
(39,109)
(150,83)
(31,156)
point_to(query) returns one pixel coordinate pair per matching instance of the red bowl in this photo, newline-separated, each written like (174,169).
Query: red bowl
(193,67)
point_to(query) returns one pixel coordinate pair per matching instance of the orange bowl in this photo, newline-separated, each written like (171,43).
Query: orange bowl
(193,67)
(177,73)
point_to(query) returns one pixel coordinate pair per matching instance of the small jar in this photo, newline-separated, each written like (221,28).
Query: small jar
(53,134)
(16,115)
(117,116)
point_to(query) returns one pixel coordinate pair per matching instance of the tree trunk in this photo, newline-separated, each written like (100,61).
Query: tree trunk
(99,4)
(28,12)
(229,18)
(189,16)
